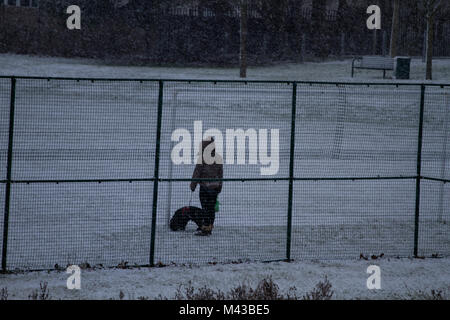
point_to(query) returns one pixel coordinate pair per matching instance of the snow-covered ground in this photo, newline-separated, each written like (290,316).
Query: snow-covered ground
(82,130)
(23,65)
(400,279)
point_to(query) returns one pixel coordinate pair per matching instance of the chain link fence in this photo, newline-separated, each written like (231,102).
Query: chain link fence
(324,170)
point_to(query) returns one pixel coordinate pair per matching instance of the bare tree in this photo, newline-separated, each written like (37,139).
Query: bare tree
(119,3)
(395,29)
(431,7)
(243,39)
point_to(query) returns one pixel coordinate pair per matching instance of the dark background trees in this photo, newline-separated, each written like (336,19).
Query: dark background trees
(207,32)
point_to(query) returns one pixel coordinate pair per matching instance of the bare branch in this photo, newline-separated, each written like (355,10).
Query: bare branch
(436,6)
(431,7)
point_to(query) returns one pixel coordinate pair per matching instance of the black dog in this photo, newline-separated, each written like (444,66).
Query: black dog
(183,215)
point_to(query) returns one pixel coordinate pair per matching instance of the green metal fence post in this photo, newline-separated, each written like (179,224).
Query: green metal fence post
(291,172)
(8,173)
(419,170)
(156,173)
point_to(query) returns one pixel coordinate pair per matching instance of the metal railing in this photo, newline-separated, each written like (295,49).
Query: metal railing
(88,162)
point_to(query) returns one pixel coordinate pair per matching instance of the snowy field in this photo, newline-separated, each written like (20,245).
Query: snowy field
(102,130)
(400,279)
(23,65)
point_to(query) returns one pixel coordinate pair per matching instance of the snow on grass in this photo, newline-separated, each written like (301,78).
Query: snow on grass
(400,279)
(364,122)
(84,130)
(23,65)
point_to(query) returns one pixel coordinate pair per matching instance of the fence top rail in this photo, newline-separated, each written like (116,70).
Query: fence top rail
(245,179)
(314,82)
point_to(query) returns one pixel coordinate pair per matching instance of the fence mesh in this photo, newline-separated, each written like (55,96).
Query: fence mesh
(84,129)
(2,214)
(356,131)
(76,223)
(73,131)
(435,209)
(218,108)
(5,92)
(347,131)
(434,219)
(251,225)
(251,222)
(84,155)
(336,219)
(436,133)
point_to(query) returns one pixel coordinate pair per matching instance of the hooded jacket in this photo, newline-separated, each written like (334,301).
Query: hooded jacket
(208,171)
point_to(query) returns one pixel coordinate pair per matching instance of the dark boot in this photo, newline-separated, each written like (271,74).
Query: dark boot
(204,231)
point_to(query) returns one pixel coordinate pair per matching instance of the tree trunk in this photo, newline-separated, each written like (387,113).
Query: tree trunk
(318,37)
(374,42)
(243,40)
(395,29)
(429,54)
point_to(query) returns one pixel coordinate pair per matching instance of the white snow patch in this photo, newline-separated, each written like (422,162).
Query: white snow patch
(400,278)
(25,65)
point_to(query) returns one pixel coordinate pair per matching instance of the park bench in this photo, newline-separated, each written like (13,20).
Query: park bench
(373,63)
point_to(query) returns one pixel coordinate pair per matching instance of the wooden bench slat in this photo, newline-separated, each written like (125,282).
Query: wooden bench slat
(377,62)
(373,63)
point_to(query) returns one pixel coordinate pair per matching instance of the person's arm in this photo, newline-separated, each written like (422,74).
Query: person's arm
(196,175)
(220,171)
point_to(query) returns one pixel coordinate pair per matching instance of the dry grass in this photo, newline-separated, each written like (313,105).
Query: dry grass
(266,289)
(41,294)
(3,294)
